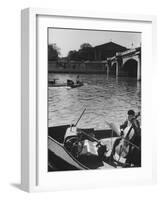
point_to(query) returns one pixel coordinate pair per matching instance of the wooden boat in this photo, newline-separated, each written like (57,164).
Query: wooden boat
(62,158)
(70,147)
(52,83)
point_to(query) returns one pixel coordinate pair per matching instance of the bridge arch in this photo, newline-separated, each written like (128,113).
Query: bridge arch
(130,67)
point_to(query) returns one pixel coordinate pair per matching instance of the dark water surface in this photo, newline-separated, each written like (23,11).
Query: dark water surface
(105,99)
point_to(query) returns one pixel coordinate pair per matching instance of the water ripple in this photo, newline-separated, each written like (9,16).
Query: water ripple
(105,99)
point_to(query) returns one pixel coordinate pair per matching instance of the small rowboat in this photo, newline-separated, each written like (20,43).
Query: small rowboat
(60,157)
(52,83)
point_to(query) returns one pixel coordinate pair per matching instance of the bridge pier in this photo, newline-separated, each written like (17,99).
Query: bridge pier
(117,69)
(107,68)
(139,69)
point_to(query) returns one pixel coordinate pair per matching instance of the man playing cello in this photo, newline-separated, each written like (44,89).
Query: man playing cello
(128,145)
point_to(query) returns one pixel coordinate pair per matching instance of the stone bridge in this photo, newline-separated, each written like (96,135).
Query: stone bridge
(127,63)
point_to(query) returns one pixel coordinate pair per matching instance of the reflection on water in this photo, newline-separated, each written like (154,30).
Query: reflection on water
(105,98)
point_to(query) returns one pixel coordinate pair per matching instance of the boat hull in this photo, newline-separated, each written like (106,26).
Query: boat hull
(63,156)
(51,84)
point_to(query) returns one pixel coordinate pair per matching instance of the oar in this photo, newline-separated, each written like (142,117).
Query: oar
(91,137)
(80,117)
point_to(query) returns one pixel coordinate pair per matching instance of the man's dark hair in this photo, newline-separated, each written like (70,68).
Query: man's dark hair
(131,112)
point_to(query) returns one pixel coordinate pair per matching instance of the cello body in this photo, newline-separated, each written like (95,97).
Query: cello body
(125,145)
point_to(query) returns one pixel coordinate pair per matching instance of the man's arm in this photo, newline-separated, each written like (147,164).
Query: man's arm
(136,126)
(136,139)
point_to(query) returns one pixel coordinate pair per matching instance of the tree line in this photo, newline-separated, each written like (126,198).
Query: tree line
(85,52)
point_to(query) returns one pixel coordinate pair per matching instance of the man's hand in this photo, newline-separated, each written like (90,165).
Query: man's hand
(134,123)
(121,132)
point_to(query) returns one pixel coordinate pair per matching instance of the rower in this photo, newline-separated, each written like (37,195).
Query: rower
(78,80)
(70,82)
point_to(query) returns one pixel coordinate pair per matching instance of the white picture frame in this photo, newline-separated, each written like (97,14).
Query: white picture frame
(34,176)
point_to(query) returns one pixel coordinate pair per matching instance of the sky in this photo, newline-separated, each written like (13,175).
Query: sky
(71,39)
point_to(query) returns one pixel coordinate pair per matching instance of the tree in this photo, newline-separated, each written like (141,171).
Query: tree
(85,45)
(73,55)
(53,52)
(86,52)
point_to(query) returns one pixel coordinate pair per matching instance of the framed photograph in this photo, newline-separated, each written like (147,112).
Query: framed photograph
(86,106)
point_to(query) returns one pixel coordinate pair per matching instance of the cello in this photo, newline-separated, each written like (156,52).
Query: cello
(123,148)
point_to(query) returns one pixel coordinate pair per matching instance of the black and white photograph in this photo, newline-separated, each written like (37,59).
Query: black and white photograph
(94,99)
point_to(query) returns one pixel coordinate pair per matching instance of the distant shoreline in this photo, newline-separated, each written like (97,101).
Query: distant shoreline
(78,72)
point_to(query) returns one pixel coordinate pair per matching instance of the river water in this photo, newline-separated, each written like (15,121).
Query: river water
(105,99)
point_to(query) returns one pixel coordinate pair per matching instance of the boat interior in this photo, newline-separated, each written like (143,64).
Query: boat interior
(58,133)
(92,162)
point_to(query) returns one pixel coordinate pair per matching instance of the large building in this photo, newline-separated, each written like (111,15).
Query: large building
(107,50)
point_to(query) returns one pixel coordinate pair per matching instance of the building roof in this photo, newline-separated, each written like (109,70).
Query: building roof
(107,50)
(111,46)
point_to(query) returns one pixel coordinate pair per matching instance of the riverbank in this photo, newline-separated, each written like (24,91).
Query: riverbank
(84,67)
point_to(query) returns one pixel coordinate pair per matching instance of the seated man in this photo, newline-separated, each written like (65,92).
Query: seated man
(70,82)
(129,140)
